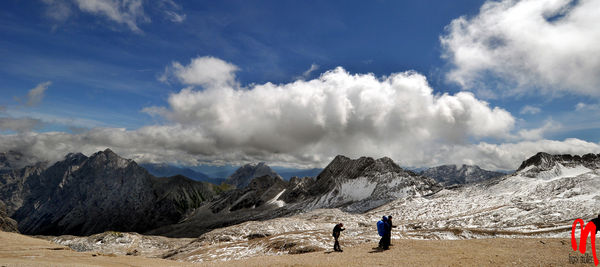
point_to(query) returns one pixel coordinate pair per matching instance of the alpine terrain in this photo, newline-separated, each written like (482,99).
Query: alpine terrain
(452,174)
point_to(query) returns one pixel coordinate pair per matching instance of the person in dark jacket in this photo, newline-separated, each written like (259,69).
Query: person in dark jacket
(391,226)
(596,222)
(337,230)
(387,234)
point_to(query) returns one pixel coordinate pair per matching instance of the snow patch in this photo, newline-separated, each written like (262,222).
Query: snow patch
(279,203)
(357,189)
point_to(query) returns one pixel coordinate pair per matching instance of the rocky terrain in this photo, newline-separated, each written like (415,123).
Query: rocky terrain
(14,175)
(6,223)
(85,195)
(454,175)
(272,216)
(540,200)
(242,176)
(353,185)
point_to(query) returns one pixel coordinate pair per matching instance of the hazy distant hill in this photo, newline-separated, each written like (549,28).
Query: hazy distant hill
(242,176)
(166,170)
(453,174)
(288,173)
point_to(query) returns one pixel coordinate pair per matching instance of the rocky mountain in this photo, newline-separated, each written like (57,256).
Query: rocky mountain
(84,195)
(352,185)
(167,170)
(365,183)
(13,178)
(541,199)
(453,174)
(6,223)
(242,176)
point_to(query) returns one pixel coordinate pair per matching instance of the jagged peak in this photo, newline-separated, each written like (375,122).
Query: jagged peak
(545,161)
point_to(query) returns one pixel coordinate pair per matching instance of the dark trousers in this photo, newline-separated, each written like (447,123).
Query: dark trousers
(336,245)
(386,241)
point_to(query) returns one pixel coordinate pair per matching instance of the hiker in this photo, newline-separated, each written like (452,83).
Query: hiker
(391,226)
(337,230)
(381,230)
(596,222)
(387,234)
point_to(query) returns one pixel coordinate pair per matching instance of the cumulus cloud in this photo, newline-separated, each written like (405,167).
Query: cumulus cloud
(35,95)
(549,45)
(306,123)
(538,133)
(508,156)
(202,71)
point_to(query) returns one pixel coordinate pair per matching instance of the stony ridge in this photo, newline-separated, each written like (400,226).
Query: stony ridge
(85,195)
(453,174)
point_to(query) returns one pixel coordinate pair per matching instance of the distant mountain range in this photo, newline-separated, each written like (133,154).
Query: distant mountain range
(352,185)
(288,173)
(166,170)
(218,174)
(453,174)
(242,176)
(84,195)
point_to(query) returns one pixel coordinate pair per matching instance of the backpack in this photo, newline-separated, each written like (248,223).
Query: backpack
(380,228)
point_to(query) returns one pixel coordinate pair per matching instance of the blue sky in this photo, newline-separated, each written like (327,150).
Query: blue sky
(110,62)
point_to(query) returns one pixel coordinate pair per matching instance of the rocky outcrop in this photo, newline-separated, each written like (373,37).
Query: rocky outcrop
(85,195)
(13,178)
(6,223)
(452,174)
(242,176)
(365,183)
(543,161)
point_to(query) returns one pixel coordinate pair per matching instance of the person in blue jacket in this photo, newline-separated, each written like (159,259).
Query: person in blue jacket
(381,229)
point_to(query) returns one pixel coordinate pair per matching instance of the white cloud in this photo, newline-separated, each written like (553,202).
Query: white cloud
(172,11)
(307,122)
(508,156)
(19,124)
(128,12)
(586,107)
(527,109)
(550,45)
(538,133)
(203,71)
(35,95)
(313,67)
(175,17)
(58,10)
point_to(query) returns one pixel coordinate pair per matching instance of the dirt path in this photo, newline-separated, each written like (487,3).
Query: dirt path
(20,250)
(480,252)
